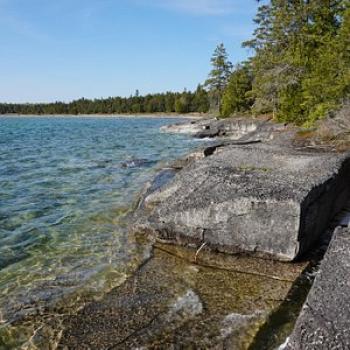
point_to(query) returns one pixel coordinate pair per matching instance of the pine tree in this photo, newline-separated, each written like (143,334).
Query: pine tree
(182,102)
(298,62)
(218,76)
(200,102)
(236,98)
(344,52)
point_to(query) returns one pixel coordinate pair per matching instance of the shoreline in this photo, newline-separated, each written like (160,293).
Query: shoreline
(179,279)
(128,267)
(166,223)
(172,285)
(171,288)
(141,115)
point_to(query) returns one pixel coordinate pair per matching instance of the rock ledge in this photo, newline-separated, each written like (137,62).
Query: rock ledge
(263,199)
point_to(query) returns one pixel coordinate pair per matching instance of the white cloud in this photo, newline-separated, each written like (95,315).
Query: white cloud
(197,7)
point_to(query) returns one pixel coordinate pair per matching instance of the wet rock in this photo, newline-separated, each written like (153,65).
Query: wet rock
(162,178)
(136,163)
(264,199)
(174,303)
(324,322)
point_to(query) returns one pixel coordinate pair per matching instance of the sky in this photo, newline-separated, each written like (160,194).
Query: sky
(62,50)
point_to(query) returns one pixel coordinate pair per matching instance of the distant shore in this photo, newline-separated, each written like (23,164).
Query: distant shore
(136,115)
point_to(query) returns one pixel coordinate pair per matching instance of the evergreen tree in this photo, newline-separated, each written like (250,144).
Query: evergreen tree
(298,62)
(343,41)
(218,76)
(200,101)
(182,103)
(156,103)
(236,98)
(170,102)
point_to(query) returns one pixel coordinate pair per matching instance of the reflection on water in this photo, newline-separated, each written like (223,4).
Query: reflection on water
(65,184)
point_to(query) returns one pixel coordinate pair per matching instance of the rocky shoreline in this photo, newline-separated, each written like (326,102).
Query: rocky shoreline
(253,192)
(237,230)
(259,192)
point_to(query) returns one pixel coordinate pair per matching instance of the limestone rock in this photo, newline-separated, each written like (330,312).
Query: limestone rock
(261,198)
(324,322)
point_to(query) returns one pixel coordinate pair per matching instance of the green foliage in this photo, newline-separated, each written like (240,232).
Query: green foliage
(218,76)
(185,102)
(300,71)
(301,63)
(236,98)
(200,102)
(182,103)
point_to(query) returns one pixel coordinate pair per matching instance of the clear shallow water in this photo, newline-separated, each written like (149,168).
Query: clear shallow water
(65,183)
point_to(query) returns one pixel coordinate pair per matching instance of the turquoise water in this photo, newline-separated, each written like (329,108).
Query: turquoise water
(65,184)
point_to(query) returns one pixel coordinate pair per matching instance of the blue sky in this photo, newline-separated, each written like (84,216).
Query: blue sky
(66,49)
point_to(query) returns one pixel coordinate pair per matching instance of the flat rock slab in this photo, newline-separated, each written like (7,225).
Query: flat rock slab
(232,128)
(174,303)
(263,199)
(324,322)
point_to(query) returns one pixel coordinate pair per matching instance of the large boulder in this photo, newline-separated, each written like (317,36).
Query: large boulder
(262,199)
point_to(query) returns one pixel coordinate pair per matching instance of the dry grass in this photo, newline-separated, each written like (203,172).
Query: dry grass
(336,130)
(332,132)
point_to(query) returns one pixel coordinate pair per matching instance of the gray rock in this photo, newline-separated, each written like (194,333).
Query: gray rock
(192,127)
(263,199)
(220,302)
(324,322)
(232,129)
(136,163)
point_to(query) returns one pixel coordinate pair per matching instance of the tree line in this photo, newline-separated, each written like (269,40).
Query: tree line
(169,102)
(300,70)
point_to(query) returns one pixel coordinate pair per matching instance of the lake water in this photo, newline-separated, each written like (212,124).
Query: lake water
(65,184)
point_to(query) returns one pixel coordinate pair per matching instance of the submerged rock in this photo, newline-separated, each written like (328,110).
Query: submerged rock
(174,302)
(136,163)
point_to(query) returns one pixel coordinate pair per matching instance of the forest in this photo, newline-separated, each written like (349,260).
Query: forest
(299,72)
(169,102)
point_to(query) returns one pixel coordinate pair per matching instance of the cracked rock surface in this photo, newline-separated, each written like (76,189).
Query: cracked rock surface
(324,322)
(172,302)
(262,198)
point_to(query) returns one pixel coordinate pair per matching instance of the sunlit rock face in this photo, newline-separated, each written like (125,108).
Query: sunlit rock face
(264,199)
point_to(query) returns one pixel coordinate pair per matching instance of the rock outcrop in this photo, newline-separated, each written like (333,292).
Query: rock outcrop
(324,322)
(234,129)
(264,199)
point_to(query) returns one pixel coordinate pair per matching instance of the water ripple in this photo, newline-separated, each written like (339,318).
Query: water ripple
(64,185)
